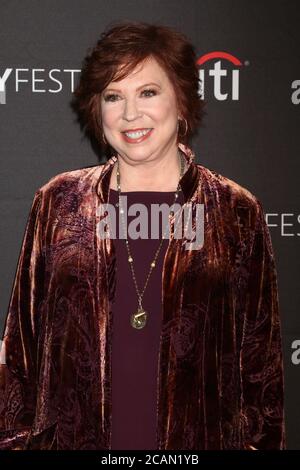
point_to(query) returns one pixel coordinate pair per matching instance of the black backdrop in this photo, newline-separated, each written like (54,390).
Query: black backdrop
(250,134)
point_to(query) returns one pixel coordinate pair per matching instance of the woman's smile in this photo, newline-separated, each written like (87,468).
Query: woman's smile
(137,136)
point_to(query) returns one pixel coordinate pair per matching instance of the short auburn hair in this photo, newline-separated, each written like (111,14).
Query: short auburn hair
(116,54)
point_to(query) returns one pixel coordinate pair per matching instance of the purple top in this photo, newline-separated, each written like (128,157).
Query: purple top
(135,352)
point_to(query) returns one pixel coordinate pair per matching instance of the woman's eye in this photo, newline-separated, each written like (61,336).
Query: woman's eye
(150,91)
(111,96)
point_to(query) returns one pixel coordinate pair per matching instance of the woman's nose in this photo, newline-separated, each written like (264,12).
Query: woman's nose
(131,110)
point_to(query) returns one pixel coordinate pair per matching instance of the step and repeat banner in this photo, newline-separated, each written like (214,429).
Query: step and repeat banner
(248,54)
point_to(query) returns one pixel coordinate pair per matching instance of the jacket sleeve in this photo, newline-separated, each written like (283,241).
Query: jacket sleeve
(261,359)
(18,363)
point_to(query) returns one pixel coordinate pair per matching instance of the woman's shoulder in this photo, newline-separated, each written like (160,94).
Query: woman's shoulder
(233,199)
(76,179)
(221,186)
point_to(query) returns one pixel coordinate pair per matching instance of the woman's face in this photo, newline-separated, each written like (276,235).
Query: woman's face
(144,100)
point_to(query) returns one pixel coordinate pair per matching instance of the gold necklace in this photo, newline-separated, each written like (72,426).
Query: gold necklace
(138,320)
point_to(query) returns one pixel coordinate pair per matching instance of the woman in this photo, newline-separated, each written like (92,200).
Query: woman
(143,343)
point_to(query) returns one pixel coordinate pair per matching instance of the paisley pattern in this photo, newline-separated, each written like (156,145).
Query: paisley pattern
(220,382)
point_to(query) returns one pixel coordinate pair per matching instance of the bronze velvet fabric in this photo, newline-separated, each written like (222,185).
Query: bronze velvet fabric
(220,377)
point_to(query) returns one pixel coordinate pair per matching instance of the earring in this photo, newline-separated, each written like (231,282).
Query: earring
(186,125)
(103,138)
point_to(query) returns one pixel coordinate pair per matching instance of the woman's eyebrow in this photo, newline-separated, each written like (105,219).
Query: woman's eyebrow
(138,88)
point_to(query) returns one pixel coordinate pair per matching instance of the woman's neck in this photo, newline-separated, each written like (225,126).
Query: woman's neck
(158,175)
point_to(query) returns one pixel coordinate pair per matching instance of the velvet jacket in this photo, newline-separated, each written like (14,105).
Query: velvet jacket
(220,368)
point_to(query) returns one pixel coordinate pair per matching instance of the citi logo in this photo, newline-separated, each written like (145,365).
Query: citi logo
(231,89)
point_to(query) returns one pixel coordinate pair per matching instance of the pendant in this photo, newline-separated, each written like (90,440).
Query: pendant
(138,320)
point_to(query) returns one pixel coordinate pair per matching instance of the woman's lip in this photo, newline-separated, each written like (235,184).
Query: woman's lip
(139,139)
(138,129)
